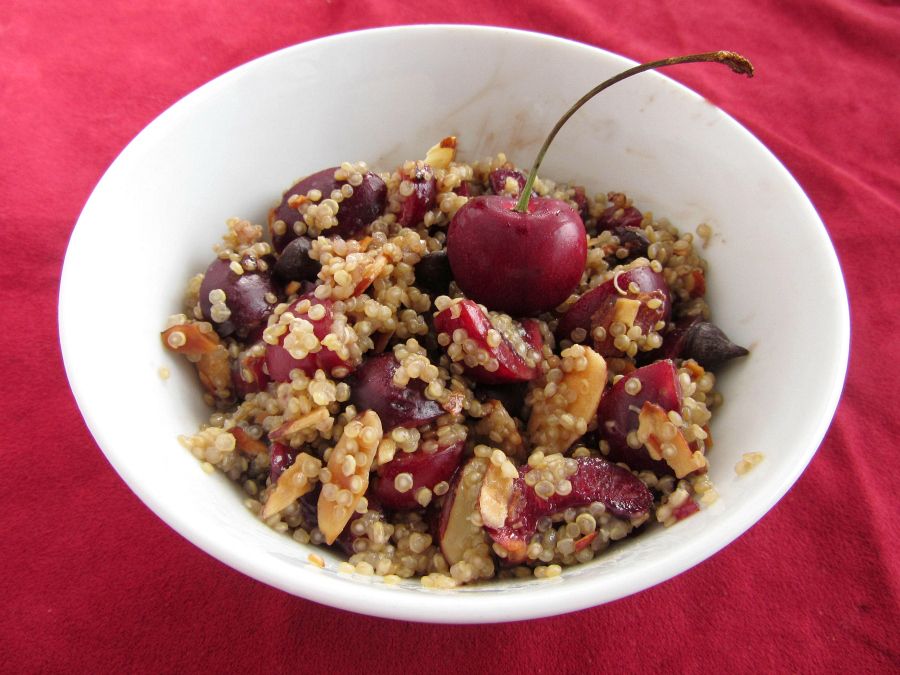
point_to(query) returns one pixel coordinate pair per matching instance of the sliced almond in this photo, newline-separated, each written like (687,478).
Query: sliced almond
(292,484)
(457,533)
(496,491)
(545,427)
(247,444)
(188,339)
(296,201)
(585,541)
(372,271)
(439,156)
(696,369)
(454,403)
(292,427)
(214,369)
(342,493)
(626,311)
(655,430)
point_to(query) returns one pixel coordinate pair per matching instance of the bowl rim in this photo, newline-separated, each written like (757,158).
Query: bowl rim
(441,607)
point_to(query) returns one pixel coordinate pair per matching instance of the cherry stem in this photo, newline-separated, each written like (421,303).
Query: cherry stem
(733,60)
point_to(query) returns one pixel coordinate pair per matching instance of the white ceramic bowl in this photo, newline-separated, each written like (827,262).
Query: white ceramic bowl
(233,145)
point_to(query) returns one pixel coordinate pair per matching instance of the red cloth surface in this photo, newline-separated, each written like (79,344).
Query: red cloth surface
(92,581)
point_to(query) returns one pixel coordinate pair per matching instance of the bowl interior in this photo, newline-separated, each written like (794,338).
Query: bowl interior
(231,147)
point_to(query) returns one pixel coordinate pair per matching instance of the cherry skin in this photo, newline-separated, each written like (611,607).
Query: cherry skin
(521,263)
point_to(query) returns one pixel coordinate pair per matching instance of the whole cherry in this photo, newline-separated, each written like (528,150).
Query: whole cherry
(519,262)
(526,256)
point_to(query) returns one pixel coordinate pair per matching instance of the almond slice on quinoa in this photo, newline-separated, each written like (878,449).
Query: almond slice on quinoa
(214,370)
(439,156)
(371,272)
(626,311)
(190,340)
(454,403)
(292,427)
(665,441)
(561,412)
(457,533)
(298,479)
(496,491)
(585,541)
(347,474)
(246,443)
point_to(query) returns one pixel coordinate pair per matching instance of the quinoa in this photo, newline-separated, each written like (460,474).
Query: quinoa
(295,422)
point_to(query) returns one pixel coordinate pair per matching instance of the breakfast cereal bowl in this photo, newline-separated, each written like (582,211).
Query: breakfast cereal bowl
(233,146)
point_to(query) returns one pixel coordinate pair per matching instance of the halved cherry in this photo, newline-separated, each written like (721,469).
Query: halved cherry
(494,349)
(636,297)
(354,213)
(620,407)
(596,480)
(279,361)
(373,388)
(424,469)
(619,214)
(248,298)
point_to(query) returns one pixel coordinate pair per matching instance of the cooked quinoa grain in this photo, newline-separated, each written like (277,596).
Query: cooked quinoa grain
(362,402)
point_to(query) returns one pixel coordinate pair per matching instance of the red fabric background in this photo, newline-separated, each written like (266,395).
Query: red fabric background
(91,580)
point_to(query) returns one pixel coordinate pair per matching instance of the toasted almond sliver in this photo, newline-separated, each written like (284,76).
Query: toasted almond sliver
(696,369)
(247,444)
(214,369)
(589,384)
(333,516)
(196,342)
(626,311)
(585,541)
(292,427)
(371,273)
(439,156)
(457,532)
(454,404)
(292,484)
(651,421)
(493,500)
